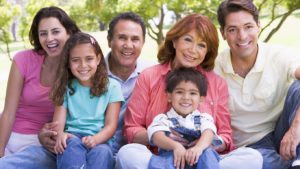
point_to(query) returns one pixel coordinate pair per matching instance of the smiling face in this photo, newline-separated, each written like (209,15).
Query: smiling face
(52,36)
(241,33)
(126,43)
(185,98)
(190,50)
(83,63)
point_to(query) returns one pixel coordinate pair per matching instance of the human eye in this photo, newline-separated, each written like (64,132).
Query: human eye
(55,32)
(202,45)
(122,37)
(135,39)
(74,60)
(42,33)
(90,58)
(232,30)
(249,27)
(178,91)
(187,39)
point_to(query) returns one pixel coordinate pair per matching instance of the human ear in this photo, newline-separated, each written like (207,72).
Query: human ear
(174,43)
(169,96)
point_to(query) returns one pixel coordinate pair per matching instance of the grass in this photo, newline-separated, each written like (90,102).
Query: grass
(287,36)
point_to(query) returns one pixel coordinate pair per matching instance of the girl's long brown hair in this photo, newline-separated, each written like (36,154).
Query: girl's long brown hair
(64,75)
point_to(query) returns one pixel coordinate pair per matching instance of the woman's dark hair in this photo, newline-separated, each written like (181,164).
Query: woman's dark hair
(48,12)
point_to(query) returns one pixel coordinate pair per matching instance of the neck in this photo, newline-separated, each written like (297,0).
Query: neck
(243,65)
(121,71)
(51,62)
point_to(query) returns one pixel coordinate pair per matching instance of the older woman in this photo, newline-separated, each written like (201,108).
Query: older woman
(191,42)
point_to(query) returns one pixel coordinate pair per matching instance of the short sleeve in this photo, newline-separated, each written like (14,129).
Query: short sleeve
(159,123)
(65,103)
(116,94)
(21,61)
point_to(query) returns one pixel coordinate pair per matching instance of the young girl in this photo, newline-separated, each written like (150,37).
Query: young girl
(186,88)
(87,106)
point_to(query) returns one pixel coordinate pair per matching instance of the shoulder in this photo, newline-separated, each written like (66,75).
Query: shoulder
(275,50)
(213,78)
(27,56)
(143,64)
(154,72)
(112,83)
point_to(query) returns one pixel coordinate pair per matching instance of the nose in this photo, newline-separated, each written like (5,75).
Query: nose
(186,96)
(128,44)
(242,34)
(49,37)
(193,47)
(83,63)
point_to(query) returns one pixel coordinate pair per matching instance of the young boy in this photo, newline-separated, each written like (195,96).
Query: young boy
(186,88)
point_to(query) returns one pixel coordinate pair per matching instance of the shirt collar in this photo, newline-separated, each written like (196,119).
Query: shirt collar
(135,73)
(258,66)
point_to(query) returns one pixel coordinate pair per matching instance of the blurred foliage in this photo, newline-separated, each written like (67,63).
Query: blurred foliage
(8,12)
(93,15)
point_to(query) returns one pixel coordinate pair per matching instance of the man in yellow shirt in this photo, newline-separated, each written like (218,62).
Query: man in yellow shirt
(258,77)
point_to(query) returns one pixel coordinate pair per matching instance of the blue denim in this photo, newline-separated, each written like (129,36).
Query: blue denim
(33,157)
(78,156)
(190,134)
(269,145)
(209,159)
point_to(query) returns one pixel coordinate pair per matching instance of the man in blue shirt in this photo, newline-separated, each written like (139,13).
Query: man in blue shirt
(126,37)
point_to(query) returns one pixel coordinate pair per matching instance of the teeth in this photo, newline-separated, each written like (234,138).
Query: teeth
(127,53)
(190,58)
(83,72)
(52,45)
(243,44)
(185,104)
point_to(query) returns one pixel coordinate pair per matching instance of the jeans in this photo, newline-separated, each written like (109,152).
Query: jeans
(78,156)
(209,159)
(137,156)
(270,144)
(33,157)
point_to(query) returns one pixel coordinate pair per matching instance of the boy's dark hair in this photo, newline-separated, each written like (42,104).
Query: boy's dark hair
(131,16)
(229,6)
(188,75)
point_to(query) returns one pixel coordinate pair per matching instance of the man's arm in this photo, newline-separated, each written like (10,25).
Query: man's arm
(47,136)
(291,139)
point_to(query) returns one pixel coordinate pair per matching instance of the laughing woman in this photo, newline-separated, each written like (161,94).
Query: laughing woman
(27,104)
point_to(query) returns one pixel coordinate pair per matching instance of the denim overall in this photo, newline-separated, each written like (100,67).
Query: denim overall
(209,159)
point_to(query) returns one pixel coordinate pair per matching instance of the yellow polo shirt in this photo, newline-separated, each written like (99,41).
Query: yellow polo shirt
(256,101)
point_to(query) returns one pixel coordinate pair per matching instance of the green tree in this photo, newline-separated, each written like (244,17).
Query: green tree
(276,10)
(31,9)
(7,13)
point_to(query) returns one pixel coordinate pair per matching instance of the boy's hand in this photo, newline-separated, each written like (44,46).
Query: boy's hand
(179,159)
(192,155)
(89,141)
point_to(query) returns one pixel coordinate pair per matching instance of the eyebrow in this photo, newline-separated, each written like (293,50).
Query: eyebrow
(53,29)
